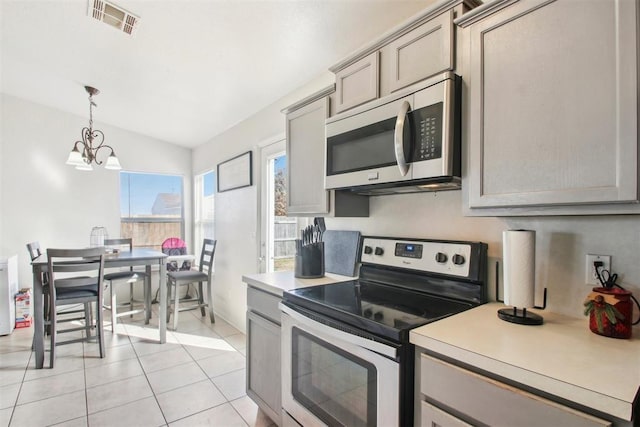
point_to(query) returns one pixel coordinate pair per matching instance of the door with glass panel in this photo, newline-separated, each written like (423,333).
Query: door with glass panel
(204,197)
(277,250)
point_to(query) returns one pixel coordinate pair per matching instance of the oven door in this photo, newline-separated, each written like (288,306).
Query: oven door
(331,377)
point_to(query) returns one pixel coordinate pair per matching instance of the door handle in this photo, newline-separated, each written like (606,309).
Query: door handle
(398,139)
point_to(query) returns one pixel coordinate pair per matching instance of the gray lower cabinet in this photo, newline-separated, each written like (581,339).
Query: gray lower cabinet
(552,105)
(263,352)
(452,396)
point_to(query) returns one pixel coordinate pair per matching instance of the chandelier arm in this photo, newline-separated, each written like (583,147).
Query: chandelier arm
(92,141)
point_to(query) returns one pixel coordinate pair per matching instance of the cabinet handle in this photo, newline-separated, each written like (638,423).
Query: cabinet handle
(398,140)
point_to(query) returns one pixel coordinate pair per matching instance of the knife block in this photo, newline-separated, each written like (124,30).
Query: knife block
(309,261)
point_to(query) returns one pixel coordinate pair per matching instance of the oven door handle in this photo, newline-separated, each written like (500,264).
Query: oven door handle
(368,344)
(398,139)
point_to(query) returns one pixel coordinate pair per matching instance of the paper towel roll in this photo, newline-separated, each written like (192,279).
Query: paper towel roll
(519,258)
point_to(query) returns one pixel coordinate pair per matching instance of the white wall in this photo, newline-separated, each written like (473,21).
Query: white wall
(236,211)
(44,199)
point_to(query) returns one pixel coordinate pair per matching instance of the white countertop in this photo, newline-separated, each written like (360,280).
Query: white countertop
(561,357)
(280,281)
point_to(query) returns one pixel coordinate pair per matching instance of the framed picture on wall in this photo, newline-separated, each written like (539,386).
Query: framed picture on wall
(235,172)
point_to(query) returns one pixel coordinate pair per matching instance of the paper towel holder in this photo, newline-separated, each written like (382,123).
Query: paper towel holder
(520,316)
(516,315)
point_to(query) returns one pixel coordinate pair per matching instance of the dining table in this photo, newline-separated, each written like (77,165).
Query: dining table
(137,257)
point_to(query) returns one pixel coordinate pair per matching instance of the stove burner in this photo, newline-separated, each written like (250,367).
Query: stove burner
(406,284)
(389,310)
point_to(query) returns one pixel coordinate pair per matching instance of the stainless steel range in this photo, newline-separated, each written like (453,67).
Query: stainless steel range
(347,360)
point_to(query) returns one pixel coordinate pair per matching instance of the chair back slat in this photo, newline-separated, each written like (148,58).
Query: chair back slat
(120,243)
(126,243)
(34,250)
(207,254)
(66,261)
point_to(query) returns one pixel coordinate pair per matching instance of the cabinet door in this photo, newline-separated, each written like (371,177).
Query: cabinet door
(263,365)
(357,83)
(422,52)
(553,104)
(306,159)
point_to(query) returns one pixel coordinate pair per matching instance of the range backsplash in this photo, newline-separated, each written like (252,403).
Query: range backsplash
(561,241)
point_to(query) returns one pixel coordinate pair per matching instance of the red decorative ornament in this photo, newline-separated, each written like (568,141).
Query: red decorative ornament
(610,312)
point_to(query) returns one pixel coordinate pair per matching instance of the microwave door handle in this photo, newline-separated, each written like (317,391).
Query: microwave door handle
(398,140)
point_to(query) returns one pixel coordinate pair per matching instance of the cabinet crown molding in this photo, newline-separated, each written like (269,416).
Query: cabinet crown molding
(309,99)
(481,12)
(401,29)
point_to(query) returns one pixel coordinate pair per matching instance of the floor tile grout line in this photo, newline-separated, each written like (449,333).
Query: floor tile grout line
(86,394)
(146,377)
(15,403)
(236,411)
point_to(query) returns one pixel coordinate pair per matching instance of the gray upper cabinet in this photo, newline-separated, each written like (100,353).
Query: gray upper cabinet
(422,52)
(419,48)
(357,83)
(552,107)
(305,134)
(305,159)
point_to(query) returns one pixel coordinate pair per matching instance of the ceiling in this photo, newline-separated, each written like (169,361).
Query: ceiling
(193,68)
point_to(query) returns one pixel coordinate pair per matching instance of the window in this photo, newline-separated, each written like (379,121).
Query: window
(204,190)
(151,208)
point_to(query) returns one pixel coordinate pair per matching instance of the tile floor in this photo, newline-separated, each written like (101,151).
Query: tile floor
(196,379)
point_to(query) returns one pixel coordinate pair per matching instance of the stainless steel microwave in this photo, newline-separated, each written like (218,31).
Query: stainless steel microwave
(406,142)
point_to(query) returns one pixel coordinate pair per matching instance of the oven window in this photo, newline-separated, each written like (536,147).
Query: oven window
(336,386)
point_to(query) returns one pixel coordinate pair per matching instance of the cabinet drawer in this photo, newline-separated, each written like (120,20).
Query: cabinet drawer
(422,52)
(434,417)
(264,303)
(492,402)
(357,83)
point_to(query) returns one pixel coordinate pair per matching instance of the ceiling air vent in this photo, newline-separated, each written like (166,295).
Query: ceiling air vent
(113,16)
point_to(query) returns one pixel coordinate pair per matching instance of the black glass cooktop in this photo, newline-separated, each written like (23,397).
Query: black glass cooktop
(380,309)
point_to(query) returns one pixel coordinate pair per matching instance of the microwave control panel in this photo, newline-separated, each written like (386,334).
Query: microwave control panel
(426,123)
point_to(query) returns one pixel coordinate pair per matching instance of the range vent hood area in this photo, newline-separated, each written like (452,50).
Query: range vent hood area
(445,183)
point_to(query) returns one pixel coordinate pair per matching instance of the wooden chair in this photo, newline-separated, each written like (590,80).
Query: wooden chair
(129,276)
(175,279)
(76,277)
(35,252)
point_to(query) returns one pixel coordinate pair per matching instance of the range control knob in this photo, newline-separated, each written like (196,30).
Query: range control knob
(441,258)
(378,316)
(458,259)
(368,250)
(379,250)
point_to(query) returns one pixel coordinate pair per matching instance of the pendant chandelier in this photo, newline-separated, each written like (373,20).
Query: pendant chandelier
(85,152)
